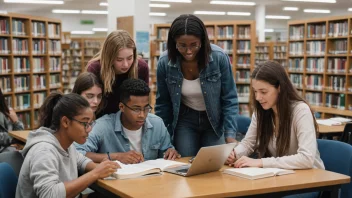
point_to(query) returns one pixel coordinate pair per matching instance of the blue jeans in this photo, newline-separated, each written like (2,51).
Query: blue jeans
(304,195)
(193,131)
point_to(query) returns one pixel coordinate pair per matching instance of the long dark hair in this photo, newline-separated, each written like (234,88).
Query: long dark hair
(188,24)
(275,74)
(3,106)
(85,81)
(57,105)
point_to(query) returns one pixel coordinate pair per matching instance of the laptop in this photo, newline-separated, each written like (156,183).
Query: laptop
(208,159)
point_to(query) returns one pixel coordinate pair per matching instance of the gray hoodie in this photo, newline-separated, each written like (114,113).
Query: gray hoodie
(47,166)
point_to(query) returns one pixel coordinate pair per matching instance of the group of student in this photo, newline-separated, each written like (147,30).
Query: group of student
(107,117)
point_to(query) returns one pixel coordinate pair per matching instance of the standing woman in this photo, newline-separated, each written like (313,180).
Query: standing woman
(196,93)
(8,122)
(88,86)
(116,62)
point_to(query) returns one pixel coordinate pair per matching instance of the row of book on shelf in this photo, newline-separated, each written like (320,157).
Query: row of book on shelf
(335,29)
(22,64)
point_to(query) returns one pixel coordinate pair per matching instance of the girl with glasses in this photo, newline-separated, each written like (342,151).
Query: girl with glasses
(51,163)
(196,94)
(116,62)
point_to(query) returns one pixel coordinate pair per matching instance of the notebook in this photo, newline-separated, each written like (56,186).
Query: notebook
(146,168)
(257,173)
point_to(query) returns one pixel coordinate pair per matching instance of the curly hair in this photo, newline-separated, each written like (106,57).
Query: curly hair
(133,87)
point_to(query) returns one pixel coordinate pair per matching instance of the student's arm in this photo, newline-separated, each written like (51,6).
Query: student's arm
(248,144)
(307,143)
(167,150)
(163,105)
(104,169)
(17,125)
(229,100)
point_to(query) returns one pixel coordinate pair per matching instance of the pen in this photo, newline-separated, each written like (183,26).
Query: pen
(108,156)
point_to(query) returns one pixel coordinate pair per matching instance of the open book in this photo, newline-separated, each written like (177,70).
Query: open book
(329,122)
(146,168)
(257,173)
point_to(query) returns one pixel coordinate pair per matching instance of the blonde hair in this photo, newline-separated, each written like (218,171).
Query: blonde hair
(115,41)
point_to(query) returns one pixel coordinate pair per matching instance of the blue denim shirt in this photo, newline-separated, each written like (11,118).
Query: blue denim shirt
(218,87)
(107,135)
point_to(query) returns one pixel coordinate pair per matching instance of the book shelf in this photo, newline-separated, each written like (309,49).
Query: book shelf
(319,63)
(30,63)
(263,52)
(76,54)
(236,38)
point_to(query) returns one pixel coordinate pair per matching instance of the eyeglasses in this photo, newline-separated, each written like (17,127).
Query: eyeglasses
(137,111)
(85,124)
(185,48)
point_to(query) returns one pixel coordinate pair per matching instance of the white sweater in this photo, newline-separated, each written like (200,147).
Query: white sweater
(303,152)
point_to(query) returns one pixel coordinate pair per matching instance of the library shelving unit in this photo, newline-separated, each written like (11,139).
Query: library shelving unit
(30,62)
(319,63)
(263,52)
(76,54)
(280,53)
(276,51)
(236,38)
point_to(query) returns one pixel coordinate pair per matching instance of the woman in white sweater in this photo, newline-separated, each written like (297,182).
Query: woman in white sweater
(283,129)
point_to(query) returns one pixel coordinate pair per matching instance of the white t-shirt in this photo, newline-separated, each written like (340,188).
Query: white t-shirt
(192,95)
(135,138)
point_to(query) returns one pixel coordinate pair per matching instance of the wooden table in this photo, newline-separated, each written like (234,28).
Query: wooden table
(217,184)
(329,131)
(20,135)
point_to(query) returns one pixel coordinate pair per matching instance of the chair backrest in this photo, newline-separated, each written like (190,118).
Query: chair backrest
(8,181)
(337,157)
(243,123)
(14,159)
(347,134)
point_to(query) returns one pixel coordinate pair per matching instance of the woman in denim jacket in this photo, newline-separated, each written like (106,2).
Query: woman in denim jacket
(196,93)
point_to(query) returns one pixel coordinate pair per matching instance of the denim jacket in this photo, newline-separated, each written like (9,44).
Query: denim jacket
(107,135)
(218,87)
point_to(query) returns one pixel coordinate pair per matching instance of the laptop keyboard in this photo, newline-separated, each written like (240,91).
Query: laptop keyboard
(185,170)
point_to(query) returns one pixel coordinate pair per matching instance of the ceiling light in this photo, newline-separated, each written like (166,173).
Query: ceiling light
(277,17)
(314,1)
(316,11)
(94,12)
(239,13)
(290,9)
(34,1)
(157,14)
(82,32)
(174,1)
(100,29)
(233,3)
(269,30)
(66,11)
(103,4)
(350,9)
(159,5)
(209,13)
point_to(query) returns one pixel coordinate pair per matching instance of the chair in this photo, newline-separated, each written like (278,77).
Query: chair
(14,159)
(8,181)
(337,157)
(243,123)
(347,134)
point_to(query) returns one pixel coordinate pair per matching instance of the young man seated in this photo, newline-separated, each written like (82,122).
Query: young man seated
(131,135)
